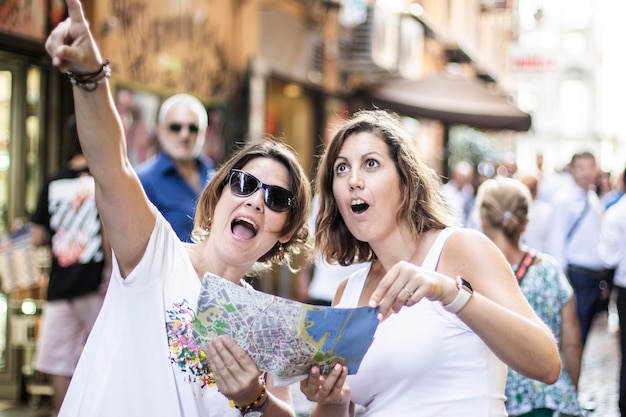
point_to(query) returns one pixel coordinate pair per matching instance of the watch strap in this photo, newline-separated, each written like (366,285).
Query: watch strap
(462,297)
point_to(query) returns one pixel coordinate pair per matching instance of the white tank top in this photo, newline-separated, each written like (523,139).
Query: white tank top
(424,361)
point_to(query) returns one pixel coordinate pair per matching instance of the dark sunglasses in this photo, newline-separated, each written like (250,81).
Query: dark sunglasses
(243,184)
(177,127)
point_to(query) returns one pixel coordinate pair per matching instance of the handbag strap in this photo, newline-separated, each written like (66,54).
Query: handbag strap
(527,261)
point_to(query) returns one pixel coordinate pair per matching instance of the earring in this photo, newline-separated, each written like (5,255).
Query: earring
(281,252)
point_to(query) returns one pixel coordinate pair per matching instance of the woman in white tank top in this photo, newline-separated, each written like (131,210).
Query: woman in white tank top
(444,344)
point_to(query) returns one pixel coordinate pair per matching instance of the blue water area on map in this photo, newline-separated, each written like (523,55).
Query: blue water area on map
(346,332)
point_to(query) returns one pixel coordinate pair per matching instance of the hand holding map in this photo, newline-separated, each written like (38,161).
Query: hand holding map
(283,337)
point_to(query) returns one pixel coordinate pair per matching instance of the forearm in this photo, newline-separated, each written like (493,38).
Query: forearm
(518,341)
(572,356)
(332,410)
(278,407)
(101,133)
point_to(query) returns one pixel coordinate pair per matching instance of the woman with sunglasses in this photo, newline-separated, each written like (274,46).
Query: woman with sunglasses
(141,358)
(460,317)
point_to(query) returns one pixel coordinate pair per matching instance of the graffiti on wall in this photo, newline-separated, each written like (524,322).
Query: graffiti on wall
(180,45)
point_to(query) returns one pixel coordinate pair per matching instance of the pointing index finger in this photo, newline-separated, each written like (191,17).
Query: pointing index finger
(75,10)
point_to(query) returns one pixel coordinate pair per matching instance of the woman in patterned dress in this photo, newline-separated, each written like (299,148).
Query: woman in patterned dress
(503,205)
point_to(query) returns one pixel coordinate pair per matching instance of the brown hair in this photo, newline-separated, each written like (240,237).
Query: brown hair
(503,204)
(422,201)
(299,185)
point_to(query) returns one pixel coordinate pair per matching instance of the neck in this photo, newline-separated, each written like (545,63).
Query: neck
(204,260)
(400,245)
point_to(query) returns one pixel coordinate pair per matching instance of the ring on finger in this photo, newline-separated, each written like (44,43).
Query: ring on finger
(409,291)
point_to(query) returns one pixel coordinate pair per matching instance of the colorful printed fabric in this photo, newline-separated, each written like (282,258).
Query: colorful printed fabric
(547,290)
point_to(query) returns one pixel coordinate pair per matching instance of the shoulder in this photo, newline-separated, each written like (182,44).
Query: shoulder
(205,162)
(548,260)
(470,253)
(617,210)
(466,240)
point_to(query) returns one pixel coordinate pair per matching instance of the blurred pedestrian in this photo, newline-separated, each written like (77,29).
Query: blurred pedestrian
(174,178)
(616,193)
(503,204)
(536,232)
(67,220)
(141,358)
(458,191)
(439,350)
(575,235)
(613,253)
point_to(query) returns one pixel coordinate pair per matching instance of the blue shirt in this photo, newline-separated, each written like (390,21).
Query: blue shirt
(170,193)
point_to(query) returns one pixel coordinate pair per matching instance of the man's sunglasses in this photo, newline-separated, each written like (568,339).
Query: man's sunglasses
(243,184)
(177,127)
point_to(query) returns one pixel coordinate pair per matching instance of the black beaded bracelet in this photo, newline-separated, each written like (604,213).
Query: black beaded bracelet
(256,402)
(89,82)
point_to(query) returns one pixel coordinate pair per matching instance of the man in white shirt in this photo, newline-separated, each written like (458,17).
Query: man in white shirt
(575,235)
(613,254)
(536,232)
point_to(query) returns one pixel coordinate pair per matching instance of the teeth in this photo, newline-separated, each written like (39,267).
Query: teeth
(357,202)
(244,219)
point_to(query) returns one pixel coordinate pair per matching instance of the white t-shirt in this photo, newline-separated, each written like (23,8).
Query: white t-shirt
(140,359)
(425,361)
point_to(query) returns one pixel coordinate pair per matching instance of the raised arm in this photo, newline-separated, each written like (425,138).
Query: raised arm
(124,209)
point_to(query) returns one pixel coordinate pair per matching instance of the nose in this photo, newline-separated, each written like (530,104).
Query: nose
(257,200)
(184,131)
(355,179)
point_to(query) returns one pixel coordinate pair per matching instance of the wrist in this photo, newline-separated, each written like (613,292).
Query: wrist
(258,404)
(464,293)
(90,81)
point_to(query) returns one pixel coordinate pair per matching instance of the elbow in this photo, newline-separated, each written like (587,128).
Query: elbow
(546,364)
(553,375)
(551,369)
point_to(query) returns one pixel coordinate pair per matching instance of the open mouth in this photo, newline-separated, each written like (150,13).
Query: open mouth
(359,206)
(243,228)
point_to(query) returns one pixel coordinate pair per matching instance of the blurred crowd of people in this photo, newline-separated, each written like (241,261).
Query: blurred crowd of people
(575,219)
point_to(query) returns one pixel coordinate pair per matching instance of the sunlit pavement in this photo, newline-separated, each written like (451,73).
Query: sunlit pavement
(599,379)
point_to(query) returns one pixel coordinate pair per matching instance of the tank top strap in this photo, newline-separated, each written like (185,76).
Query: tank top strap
(432,258)
(354,287)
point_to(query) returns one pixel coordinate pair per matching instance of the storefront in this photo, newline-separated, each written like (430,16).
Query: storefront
(35,100)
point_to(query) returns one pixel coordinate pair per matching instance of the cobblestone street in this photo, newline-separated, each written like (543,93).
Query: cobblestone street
(599,377)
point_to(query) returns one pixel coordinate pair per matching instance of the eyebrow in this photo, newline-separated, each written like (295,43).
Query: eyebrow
(364,156)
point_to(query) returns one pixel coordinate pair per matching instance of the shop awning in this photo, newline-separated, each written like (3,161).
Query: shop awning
(452,99)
